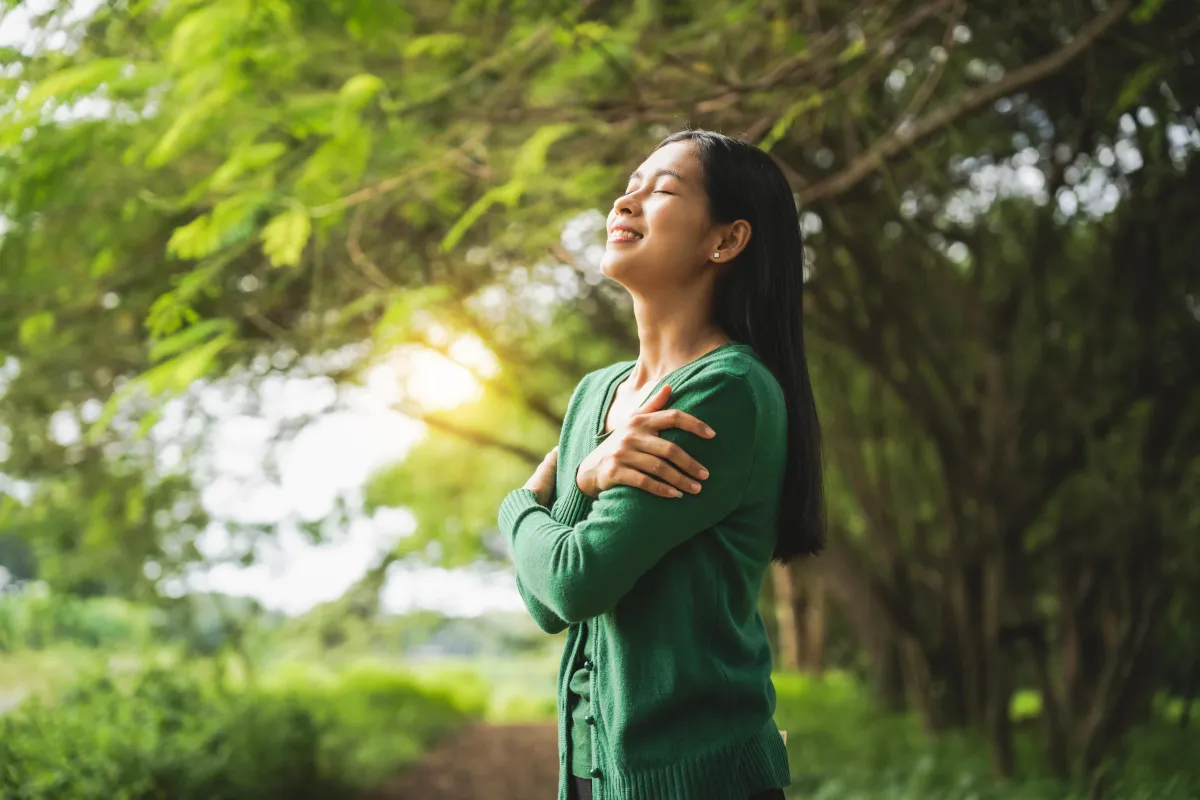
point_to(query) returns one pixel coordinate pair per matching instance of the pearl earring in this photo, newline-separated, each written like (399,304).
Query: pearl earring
(716,255)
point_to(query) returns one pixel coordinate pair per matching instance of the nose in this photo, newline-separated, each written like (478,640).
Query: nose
(625,205)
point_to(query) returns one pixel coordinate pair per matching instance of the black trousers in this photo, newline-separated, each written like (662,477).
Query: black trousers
(581,789)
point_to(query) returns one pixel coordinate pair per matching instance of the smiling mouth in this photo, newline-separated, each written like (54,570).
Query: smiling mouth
(623,236)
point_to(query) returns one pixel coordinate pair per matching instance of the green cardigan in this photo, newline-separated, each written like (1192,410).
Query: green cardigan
(682,702)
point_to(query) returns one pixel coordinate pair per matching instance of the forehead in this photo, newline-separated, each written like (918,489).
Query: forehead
(678,157)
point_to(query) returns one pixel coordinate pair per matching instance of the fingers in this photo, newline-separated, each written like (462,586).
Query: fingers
(656,400)
(674,418)
(669,451)
(663,471)
(640,480)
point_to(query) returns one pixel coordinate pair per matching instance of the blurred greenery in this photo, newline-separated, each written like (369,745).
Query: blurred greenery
(167,732)
(842,748)
(208,206)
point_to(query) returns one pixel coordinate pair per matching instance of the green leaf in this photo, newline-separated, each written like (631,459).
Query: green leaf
(36,328)
(246,159)
(507,194)
(177,374)
(435,45)
(189,127)
(785,122)
(1146,11)
(285,236)
(204,32)
(103,263)
(852,51)
(1136,85)
(531,158)
(229,221)
(361,88)
(189,337)
(530,162)
(65,83)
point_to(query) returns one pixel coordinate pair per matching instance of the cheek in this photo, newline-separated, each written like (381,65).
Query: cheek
(679,223)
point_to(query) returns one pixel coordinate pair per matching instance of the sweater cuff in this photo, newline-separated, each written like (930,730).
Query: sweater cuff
(518,504)
(576,506)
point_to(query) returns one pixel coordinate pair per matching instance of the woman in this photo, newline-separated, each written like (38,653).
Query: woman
(650,537)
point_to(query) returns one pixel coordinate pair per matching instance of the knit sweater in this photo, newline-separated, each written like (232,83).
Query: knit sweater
(681,700)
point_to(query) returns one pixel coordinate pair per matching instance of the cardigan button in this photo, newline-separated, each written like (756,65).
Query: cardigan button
(596,773)
(589,719)
(589,665)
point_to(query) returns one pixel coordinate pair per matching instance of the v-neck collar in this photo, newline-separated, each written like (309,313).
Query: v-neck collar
(620,375)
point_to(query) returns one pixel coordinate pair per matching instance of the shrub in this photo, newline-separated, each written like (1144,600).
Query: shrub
(376,720)
(173,734)
(842,748)
(34,618)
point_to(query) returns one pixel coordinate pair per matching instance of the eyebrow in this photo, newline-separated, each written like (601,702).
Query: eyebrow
(657,172)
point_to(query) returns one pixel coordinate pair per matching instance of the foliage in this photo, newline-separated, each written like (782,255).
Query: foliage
(32,619)
(173,733)
(842,748)
(375,719)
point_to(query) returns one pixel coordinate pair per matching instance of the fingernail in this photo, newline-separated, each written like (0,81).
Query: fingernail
(676,493)
(709,432)
(703,474)
(695,487)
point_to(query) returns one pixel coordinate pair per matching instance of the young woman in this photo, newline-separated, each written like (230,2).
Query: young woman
(648,531)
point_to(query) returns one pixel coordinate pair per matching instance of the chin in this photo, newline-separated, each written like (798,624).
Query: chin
(615,266)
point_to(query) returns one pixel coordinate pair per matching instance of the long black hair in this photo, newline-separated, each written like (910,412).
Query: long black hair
(760,302)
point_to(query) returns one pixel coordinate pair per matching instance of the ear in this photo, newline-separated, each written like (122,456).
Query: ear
(734,238)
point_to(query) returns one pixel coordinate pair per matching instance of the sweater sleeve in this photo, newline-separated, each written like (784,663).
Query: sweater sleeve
(546,619)
(582,571)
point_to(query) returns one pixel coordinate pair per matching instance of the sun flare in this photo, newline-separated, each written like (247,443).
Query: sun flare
(432,382)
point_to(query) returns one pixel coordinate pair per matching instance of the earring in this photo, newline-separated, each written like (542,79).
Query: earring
(716,255)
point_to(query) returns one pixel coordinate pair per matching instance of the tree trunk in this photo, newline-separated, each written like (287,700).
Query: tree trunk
(887,674)
(811,623)
(800,617)
(786,619)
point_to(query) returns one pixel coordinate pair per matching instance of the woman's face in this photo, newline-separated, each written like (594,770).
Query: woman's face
(659,231)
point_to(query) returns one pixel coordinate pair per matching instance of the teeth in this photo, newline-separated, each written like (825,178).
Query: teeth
(624,235)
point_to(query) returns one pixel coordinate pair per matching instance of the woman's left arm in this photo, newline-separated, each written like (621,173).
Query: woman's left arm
(578,573)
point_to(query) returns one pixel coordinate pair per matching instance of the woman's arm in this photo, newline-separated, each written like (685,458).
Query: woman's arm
(580,572)
(546,619)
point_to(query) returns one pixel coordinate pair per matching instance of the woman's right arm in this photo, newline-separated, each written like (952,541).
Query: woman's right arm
(545,618)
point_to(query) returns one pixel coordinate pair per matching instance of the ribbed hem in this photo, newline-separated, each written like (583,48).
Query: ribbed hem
(576,506)
(765,761)
(518,504)
(728,774)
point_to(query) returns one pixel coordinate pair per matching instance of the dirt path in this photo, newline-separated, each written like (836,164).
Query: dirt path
(485,762)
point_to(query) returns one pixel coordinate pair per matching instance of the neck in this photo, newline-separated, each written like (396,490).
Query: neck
(673,330)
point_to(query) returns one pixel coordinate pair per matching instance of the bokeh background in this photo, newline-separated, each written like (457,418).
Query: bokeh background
(292,292)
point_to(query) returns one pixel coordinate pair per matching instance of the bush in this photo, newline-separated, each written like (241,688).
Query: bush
(376,720)
(172,734)
(842,748)
(34,618)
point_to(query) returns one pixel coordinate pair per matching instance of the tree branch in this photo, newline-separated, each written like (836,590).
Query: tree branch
(481,438)
(903,134)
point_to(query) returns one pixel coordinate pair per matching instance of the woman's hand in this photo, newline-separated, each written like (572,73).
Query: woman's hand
(635,455)
(541,482)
